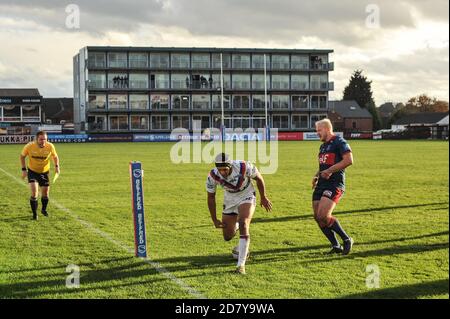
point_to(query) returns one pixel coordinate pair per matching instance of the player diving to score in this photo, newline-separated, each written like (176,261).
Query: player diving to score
(239,200)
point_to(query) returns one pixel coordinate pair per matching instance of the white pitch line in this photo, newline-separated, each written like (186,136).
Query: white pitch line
(157,266)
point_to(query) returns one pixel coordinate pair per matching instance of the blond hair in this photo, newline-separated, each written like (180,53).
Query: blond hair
(325,122)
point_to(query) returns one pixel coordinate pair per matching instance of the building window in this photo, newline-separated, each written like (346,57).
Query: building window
(226,60)
(97,80)
(241,121)
(201,81)
(160,122)
(217,121)
(138,81)
(315,118)
(97,101)
(159,60)
(160,102)
(280,121)
(280,102)
(180,60)
(319,81)
(318,102)
(216,102)
(97,123)
(201,61)
(138,60)
(354,125)
(241,102)
(299,81)
(299,62)
(259,122)
(299,102)
(139,122)
(258,102)
(96,60)
(11,113)
(319,62)
(241,81)
(30,113)
(216,81)
(118,122)
(258,81)
(138,101)
(180,121)
(117,60)
(180,81)
(258,61)
(299,121)
(280,81)
(117,80)
(280,61)
(180,102)
(200,122)
(200,102)
(159,80)
(241,61)
(117,101)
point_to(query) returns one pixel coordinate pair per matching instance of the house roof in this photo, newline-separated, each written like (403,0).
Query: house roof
(348,109)
(19,92)
(421,118)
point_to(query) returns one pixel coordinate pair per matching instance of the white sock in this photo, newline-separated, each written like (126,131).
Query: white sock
(244,243)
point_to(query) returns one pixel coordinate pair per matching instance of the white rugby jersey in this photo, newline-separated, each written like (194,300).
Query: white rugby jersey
(236,185)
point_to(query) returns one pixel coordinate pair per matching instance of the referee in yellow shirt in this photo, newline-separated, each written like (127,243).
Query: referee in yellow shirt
(39,153)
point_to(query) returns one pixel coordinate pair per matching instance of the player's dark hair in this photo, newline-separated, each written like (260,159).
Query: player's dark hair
(41,133)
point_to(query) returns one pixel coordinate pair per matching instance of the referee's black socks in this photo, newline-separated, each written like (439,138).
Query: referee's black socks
(44,201)
(34,205)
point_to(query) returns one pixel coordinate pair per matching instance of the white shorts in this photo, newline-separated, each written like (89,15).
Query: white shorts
(233,210)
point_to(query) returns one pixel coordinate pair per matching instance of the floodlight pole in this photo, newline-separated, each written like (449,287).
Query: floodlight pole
(222,126)
(265,97)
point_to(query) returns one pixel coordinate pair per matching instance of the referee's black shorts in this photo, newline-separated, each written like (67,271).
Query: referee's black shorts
(40,178)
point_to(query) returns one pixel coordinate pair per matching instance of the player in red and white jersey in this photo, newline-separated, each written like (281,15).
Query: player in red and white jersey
(235,177)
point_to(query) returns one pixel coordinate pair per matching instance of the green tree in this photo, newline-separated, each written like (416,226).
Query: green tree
(360,90)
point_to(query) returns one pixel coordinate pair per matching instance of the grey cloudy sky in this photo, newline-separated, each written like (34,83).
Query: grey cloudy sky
(408,54)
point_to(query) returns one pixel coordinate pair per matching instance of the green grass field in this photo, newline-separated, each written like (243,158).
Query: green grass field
(395,207)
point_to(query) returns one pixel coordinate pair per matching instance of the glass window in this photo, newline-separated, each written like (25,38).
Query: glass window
(159,80)
(200,122)
(216,81)
(160,102)
(315,118)
(259,122)
(201,61)
(241,121)
(97,123)
(299,101)
(180,60)
(299,121)
(258,61)
(299,62)
(159,60)
(138,60)
(138,81)
(319,62)
(30,112)
(280,61)
(217,121)
(117,80)
(241,102)
(97,80)
(117,59)
(97,101)
(180,121)
(96,59)
(280,101)
(258,81)
(299,82)
(280,121)
(280,81)
(216,102)
(319,81)
(226,60)
(258,101)
(241,61)
(241,81)
(138,101)
(202,81)
(11,112)
(200,102)
(180,81)
(180,102)
(318,102)
(117,101)
(139,122)
(160,122)
(118,122)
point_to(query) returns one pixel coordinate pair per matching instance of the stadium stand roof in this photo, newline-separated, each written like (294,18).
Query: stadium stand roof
(19,92)
(421,118)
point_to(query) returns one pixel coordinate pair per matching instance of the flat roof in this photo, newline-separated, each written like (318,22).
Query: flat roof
(206,49)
